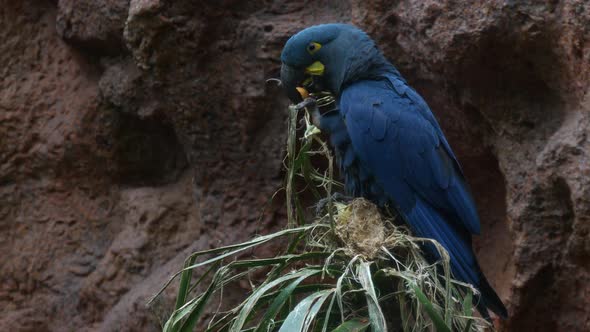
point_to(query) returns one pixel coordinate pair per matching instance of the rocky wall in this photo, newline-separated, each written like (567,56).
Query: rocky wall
(133,132)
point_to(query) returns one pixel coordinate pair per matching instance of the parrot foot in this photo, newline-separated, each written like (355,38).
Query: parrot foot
(308,102)
(312,108)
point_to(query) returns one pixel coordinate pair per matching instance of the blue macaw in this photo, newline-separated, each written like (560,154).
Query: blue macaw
(388,144)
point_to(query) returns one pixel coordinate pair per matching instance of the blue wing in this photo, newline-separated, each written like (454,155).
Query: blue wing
(395,137)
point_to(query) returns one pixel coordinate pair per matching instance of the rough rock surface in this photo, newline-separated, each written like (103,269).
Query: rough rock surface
(135,132)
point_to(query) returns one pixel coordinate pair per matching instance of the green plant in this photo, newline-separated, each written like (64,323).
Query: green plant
(350,269)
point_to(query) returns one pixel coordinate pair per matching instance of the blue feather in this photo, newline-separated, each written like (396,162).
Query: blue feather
(398,143)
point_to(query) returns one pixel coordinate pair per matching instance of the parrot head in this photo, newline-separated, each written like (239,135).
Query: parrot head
(326,57)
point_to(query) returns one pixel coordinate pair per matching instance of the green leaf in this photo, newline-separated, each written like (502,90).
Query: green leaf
(178,315)
(185,280)
(193,309)
(375,314)
(260,291)
(437,320)
(339,286)
(285,259)
(467,304)
(246,245)
(235,249)
(328,312)
(468,310)
(277,304)
(300,319)
(354,325)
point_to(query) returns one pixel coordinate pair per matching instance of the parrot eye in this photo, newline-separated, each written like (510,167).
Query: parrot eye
(313,47)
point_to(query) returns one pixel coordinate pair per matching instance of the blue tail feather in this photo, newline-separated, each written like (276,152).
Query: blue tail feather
(426,222)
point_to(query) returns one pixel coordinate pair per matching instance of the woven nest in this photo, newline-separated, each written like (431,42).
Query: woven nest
(361,227)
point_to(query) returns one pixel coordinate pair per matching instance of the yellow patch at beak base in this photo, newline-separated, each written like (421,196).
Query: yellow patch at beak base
(316,69)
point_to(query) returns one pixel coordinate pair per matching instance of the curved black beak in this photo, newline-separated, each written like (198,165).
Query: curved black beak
(291,78)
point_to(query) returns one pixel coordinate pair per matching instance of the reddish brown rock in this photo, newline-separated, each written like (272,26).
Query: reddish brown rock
(96,26)
(135,132)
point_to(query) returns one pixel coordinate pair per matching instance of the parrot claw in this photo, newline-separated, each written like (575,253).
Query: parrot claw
(308,102)
(312,107)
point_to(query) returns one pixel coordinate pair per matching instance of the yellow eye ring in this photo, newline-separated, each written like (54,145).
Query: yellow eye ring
(313,47)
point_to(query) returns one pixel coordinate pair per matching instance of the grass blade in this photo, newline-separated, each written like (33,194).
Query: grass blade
(375,314)
(468,310)
(191,321)
(233,250)
(316,308)
(247,245)
(185,280)
(354,325)
(277,304)
(193,309)
(301,317)
(437,320)
(260,291)
(328,312)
